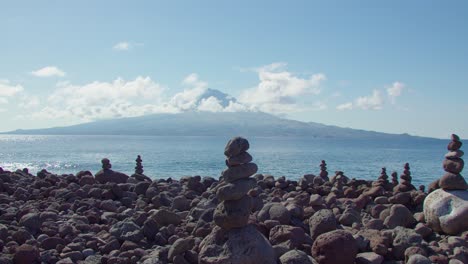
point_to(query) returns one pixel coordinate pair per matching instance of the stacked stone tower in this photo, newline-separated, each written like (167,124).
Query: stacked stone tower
(233,240)
(234,209)
(139,166)
(394,178)
(323,171)
(453,166)
(383,180)
(405,181)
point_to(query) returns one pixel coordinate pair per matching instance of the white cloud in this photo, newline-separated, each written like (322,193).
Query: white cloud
(210,104)
(3,100)
(278,90)
(28,101)
(394,91)
(345,106)
(9,90)
(98,100)
(192,80)
(48,71)
(122,46)
(371,102)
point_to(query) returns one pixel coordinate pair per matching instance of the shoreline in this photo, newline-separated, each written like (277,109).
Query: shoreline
(110,217)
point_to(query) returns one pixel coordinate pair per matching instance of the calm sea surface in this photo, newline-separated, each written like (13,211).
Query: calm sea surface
(181,156)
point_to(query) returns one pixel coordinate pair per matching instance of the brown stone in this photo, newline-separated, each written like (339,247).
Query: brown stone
(454,145)
(453,165)
(333,247)
(451,181)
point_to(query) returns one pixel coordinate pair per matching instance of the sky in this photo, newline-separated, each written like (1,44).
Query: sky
(388,66)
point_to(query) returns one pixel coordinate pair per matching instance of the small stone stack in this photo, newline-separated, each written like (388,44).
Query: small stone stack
(323,171)
(394,178)
(235,206)
(405,181)
(138,175)
(382,181)
(453,165)
(139,166)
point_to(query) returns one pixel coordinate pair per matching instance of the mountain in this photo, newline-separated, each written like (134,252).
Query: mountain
(210,124)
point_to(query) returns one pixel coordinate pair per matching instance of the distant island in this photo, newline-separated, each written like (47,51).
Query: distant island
(212,124)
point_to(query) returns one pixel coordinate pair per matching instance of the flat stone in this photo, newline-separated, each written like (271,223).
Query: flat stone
(239,172)
(236,189)
(242,158)
(453,165)
(451,181)
(454,154)
(233,214)
(236,146)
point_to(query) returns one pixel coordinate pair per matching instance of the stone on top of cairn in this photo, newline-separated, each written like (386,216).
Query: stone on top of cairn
(405,181)
(233,241)
(453,166)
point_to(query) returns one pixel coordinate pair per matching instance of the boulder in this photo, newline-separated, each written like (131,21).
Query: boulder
(447,211)
(274,211)
(321,222)
(244,245)
(333,247)
(26,254)
(296,257)
(399,216)
(451,181)
(233,214)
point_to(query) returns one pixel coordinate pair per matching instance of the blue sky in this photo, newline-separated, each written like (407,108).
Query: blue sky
(393,66)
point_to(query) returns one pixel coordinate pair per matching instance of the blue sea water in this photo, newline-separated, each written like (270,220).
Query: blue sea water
(181,156)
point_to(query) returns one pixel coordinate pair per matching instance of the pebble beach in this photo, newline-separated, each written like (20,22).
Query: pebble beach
(241,217)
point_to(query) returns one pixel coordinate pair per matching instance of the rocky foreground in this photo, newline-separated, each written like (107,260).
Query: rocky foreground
(110,217)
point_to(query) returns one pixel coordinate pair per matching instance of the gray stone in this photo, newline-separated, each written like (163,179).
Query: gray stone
(296,257)
(242,158)
(244,245)
(418,259)
(321,222)
(236,146)
(235,190)
(233,214)
(239,172)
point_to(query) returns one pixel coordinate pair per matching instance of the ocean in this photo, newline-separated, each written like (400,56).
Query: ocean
(184,156)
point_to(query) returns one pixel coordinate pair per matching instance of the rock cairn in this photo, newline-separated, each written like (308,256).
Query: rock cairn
(405,181)
(323,171)
(234,241)
(394,178)
(453,166)
(235,206)
(138,175)
(138,167)
(382,181)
